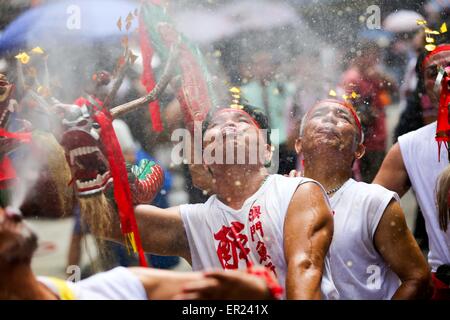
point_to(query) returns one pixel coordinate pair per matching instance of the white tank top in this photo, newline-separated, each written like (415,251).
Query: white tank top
(258,226)
(116,284)
(419,150)
(358,270)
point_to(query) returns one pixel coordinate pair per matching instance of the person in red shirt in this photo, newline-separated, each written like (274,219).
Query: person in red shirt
(370,91)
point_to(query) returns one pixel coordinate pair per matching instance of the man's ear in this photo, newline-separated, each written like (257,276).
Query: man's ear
(268,154)
(298,145)
(360,151)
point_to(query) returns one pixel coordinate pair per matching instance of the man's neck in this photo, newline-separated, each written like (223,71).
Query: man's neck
(19,283)
(233,184)
(329,172)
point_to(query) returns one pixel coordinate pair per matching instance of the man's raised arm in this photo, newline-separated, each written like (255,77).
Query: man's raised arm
(161,230)
(308,230)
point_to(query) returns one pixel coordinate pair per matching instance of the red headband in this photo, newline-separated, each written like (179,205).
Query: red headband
(239,111)
(347,106)
(440,48)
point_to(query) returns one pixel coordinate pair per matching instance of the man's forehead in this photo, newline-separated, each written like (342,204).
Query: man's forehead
(230,113)
(440,58)
(326,105)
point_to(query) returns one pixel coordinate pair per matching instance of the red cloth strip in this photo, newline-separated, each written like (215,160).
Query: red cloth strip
(148,79)
(443,126)
(122,192)
(21,136)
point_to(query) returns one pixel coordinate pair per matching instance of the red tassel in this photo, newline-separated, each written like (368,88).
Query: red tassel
(122,192)
(148,79)
(443,125)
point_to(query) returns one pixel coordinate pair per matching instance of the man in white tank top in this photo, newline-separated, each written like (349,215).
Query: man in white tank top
(253,218)
(373,254)
(414,162)
(17,280)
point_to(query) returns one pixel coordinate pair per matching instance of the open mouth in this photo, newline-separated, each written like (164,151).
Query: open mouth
(89,187)
(91,171)
(328,132)
(90,168)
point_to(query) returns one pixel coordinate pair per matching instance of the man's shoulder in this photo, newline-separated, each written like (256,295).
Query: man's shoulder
(286,179)
(368,187)
(197,207)
(370,191)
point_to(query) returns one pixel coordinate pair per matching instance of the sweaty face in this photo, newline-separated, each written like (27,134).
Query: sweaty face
(441,59)
(236,129)
(17,241)
(332,125)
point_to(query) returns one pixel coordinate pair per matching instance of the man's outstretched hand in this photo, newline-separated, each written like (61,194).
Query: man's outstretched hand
(226,285)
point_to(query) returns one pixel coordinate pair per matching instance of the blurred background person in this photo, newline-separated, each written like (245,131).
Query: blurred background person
(370,89)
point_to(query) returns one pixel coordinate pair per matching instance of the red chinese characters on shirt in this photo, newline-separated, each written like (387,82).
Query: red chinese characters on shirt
(255,213)
(256,228)
(232,245)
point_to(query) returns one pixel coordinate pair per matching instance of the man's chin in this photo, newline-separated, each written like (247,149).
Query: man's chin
(327,146)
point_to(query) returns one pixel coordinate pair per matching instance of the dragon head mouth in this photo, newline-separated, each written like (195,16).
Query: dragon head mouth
(90,169)
(84,152)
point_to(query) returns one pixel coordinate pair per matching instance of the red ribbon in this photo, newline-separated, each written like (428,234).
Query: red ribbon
(276,291)
(443,126)
(122,192)
(148,79)
(21,136)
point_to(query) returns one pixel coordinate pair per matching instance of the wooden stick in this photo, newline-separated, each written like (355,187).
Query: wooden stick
(117,84)
(155,93)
